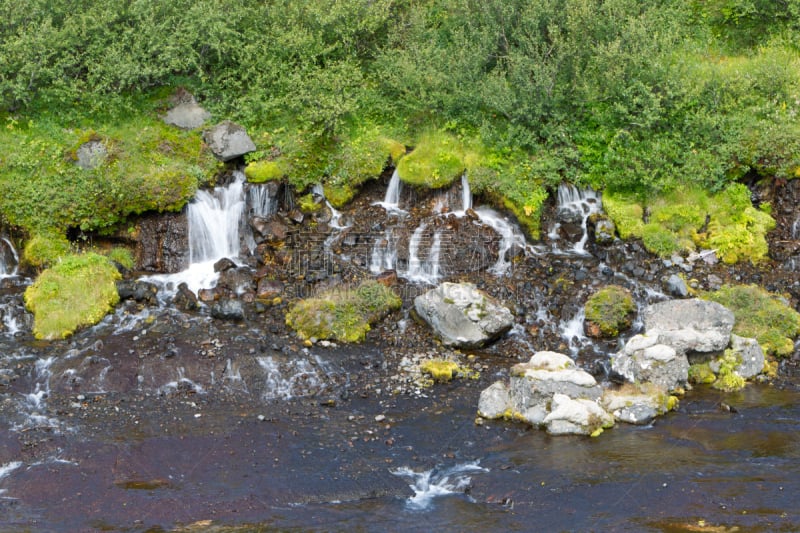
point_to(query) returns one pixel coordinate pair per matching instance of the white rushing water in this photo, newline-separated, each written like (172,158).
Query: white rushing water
(509,233)
(434,483)
(9,260)
(336,216)
(295,378)
(579,204)
(427,270)
(572,332)
(391,201)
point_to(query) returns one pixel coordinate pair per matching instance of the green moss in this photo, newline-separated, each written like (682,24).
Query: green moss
(309,203)
(342,314)
(736,229)
(262,171)
(760,315)
(609,310)
(78,291)
(626,213)
(45,249)
(728,379)
(437,160)
(701,374)
(122,256)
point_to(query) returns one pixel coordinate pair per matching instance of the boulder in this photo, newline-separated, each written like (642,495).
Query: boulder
(645,360)
(228,141)
(91,155)
(494,401)
(676,286)
(690,325)
(271,230)
(463,316)
(184,299)
(576,417)
(236,280)
(187,115)
(228,309)
(638,406)
(749,352)
(140,291)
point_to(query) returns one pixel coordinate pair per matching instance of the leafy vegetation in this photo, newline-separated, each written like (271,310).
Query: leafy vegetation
(761,315)
(342,314)
(608,311)
(77,291)
(645,100)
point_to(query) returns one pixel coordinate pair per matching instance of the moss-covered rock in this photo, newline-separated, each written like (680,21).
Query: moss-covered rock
(701,374)
(728,379)
(44,249)
(263,171)
(608,311)
(760,315)
(78,291)
(626,213)
(342,314)
(436,161)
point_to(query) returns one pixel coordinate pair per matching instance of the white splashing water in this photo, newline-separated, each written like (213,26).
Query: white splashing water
(336,216)
(6,469)
(181,380)
(572,332)
(435,483)
(297,378)
(384,253)
(9,260)
(580,202)
(260,202)
(466,194)
(34,403)
(420,271)
(391,202)
(510,235)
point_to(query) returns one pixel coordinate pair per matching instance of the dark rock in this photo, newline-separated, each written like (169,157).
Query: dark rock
(228,141)
(140,291)
(270,230)
(296,216)
(162,243)
(676,286)
(184,299)
(228,309)
(236,280)
(224,264)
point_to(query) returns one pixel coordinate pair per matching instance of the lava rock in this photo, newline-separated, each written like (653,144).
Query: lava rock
(140,291)
(676,286)
(228,309)
(184,299)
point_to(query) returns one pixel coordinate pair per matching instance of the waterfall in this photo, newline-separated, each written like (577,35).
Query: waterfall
(214,222)
(260,201)
(384,253)
(577,204)
(336,216)
(8,258)
(426,271)
(391,202)
(466,194)
(510,235)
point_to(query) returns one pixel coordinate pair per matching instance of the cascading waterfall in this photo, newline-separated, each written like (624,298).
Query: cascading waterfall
(391,202)
(509,234)
(214,218)
(466,194)
(8,258)
(577,204)
(384,253)
(420,271)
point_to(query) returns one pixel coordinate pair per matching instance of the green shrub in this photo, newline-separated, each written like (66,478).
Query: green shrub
(736,229)
(342,314)
(608,311)
(659,240)
(760,315)
(78,291)
(43,250)
(728,379)
(701,374)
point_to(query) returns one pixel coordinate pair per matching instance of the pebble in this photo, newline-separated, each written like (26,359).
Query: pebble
(380,418)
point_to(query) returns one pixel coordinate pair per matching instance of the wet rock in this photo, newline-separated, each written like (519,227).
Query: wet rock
(576,417)
(269,289)
(228,141)
(228,309)
(637,407)
(495,401)
(140,291)
(270,230)
(236,280)
(387,278)
(187,114)
(91,155)
(162,242)
(690,325)
(207,295)
(604,229)
(224,264)
(676,286)
(461,315)
(749,352)
(645,360)
(184,299)
(296,216)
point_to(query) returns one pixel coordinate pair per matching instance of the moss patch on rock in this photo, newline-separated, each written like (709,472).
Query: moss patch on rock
(78,291)
(437,160)
(701,374)
(728,379)
(761,315)
(263,171)
(627,214)
(44,249)
(608,311)
(342,314)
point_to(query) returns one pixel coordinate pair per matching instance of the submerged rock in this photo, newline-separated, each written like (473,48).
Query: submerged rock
(463,316)
(228,141)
